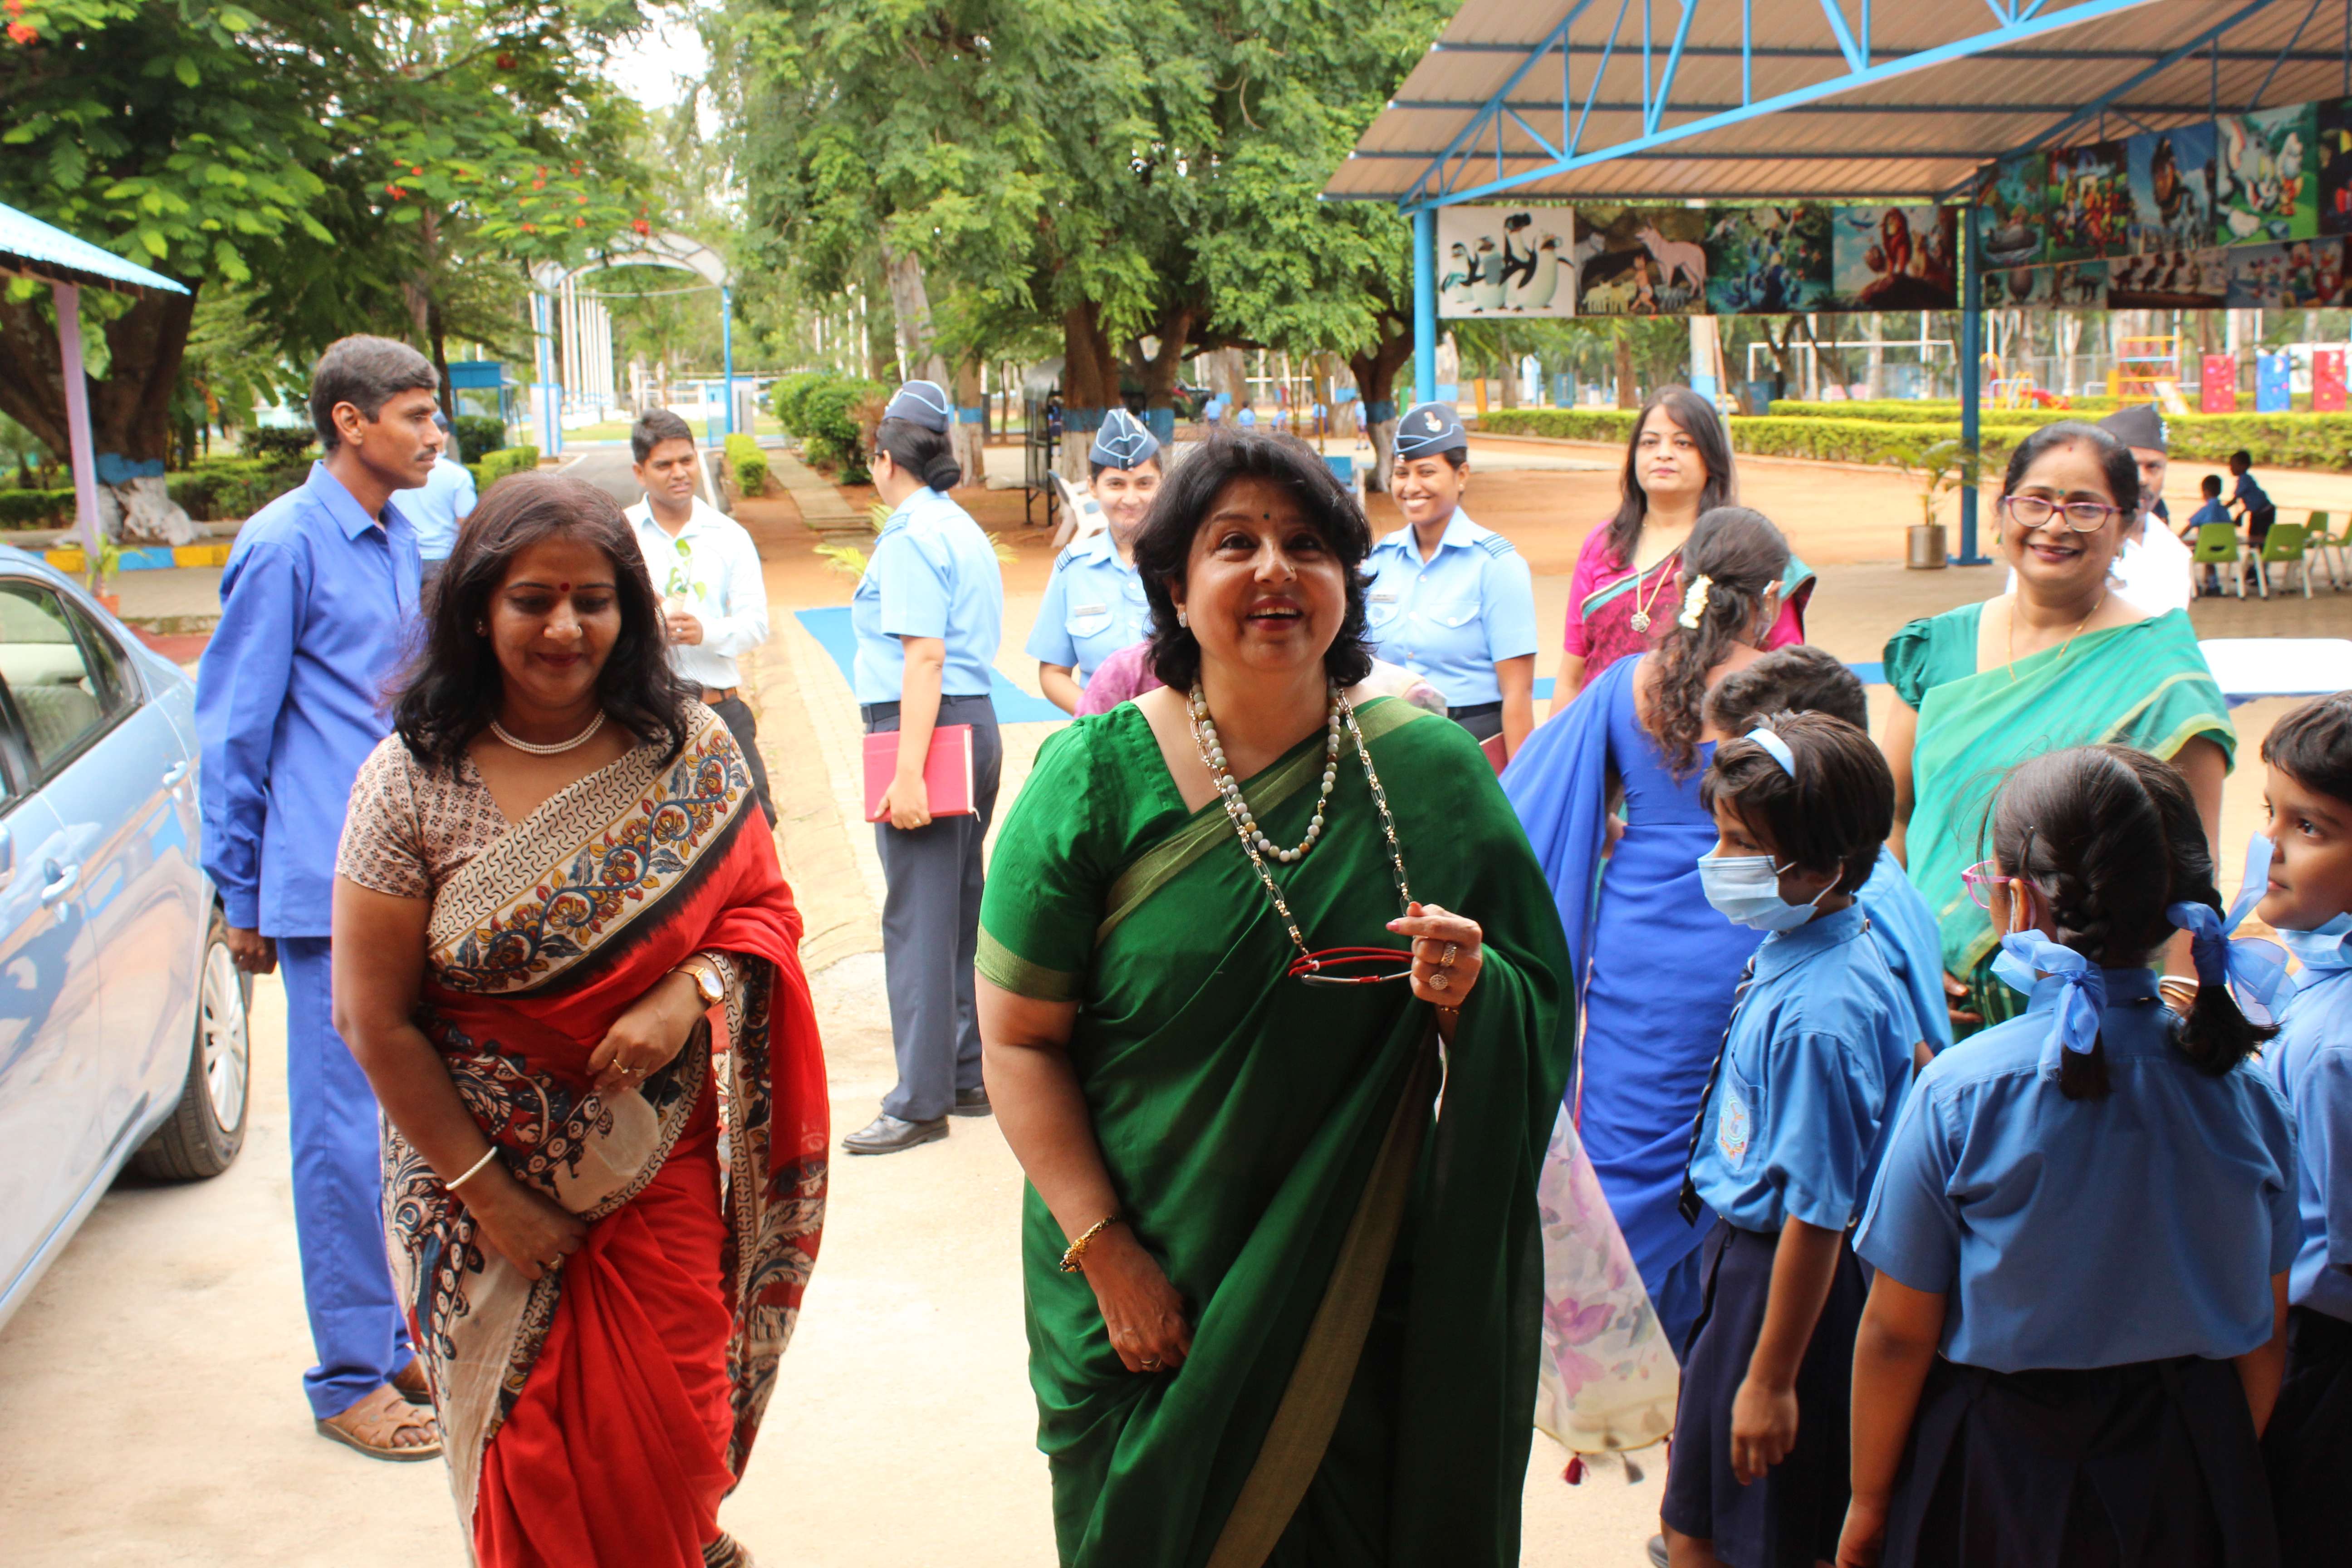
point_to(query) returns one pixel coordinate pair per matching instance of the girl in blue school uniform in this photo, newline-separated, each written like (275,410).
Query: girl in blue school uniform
(1451,601)
(2083,1221)
(2307,898)
(1094,603)
(1812,1066)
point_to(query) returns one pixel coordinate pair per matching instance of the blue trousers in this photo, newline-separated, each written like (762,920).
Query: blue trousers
(356,1328)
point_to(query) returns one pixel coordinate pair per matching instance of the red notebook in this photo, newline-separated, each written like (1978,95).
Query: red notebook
(946,771)
(1493,746)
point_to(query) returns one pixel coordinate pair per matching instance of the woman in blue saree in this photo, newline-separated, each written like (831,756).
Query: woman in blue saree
(1657,966)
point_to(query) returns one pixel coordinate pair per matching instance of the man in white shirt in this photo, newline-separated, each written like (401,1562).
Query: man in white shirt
(435,510)
(707,571)
(2151,570)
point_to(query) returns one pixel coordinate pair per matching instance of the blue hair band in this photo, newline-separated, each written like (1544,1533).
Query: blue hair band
(1775,748)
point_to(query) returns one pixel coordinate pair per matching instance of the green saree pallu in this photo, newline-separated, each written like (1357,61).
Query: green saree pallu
(1348,1400)
(2143,685)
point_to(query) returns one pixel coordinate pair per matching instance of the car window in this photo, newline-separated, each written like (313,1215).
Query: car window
(67,689)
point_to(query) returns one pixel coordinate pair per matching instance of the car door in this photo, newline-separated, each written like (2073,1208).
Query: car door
(71,706)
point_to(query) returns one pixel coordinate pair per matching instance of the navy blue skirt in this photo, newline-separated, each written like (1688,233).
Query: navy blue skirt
(1790,1518)
(2152,1465)
(2308,1447)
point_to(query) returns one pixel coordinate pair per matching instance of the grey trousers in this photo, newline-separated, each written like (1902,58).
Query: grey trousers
(930,926)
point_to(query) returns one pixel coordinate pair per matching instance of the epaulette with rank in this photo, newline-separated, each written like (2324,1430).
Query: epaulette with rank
(1495,544)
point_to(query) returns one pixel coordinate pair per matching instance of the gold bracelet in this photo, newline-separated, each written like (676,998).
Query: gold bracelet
(1073,1257)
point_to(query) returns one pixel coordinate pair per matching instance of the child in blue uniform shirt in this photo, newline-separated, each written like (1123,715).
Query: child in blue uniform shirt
(1801,678)
(2083,1223)
(2308,1445)
(1094,603)
(1813,1063)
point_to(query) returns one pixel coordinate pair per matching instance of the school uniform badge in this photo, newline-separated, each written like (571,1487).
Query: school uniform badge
(1736,1128)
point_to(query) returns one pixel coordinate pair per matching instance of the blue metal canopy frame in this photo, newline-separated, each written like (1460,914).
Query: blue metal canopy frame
(1627,114)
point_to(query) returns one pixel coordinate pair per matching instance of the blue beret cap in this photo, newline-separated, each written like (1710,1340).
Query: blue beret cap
(920,403)
(1123,442)
(1429,428)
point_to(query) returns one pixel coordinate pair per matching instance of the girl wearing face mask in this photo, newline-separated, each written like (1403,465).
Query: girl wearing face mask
(1094,603)
(2306,896)
(2083,1221)
(1813,1063)
(1655,965)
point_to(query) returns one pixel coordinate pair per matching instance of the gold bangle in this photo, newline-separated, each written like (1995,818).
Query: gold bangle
(1074,1256)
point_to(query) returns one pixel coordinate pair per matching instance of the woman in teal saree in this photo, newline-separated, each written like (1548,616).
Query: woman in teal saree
(2062,661)
(1282,1299)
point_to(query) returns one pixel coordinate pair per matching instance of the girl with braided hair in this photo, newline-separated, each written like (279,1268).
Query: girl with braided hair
(1634,912)
(2083,1221)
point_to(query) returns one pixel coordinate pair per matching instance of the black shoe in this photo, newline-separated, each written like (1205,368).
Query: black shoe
(887,1134)
(971,1102)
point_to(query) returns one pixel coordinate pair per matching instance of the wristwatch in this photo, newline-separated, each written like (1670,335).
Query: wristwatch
(706,979)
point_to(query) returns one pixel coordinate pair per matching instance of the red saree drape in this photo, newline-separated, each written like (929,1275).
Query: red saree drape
(598,1416)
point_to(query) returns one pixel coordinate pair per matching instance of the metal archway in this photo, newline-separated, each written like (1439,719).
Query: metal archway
(552,282)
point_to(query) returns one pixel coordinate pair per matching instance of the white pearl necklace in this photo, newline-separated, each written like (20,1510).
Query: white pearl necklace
(1212,755)
(552,747)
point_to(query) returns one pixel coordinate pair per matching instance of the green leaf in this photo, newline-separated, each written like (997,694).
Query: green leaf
(185,70)
(157,246)
(237,19)
(405,214)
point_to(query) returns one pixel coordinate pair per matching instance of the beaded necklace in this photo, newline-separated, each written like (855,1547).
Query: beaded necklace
(1314,966)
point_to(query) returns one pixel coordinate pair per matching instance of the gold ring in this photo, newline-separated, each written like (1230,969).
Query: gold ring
(1451,951)
(1438,982)
(1153,1364)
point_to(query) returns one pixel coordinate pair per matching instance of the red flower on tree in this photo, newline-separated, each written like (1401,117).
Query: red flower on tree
(641,226)
(506,62)
(23,33)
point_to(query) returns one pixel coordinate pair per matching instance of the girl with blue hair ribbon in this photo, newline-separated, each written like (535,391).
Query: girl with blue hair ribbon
(2083,1222)
(1094,603)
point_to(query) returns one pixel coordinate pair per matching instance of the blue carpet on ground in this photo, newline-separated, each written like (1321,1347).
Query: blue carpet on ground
(830,626)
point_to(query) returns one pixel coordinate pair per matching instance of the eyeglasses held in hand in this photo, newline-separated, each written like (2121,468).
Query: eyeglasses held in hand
(1353,965)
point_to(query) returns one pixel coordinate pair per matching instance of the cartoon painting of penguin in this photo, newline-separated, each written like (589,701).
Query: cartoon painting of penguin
(1454,289)
(1543,281)
(1518,265)
(1486,281)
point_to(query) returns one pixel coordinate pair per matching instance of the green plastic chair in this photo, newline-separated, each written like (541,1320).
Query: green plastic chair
(2329,548)
(2281,546)
(2216,546)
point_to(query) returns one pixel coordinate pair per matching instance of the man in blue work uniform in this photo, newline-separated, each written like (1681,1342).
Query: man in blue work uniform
(317,600)
(1451,601)
(1094,603)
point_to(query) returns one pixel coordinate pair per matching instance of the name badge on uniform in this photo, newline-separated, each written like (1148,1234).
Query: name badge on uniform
(1090,609)
(1383,596)
(1735,1127)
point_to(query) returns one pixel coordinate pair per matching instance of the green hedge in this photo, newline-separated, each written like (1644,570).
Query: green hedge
(751,465)
(502,462)
(1933,410)
(282,445)
(828,414)
(36,509)
(478,435)
(216,488)
(2280,440)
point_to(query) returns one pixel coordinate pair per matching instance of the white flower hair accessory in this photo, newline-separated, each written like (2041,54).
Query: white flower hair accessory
(1695,602)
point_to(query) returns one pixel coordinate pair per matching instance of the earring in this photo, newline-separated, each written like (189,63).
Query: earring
(1182,620)
(481,629)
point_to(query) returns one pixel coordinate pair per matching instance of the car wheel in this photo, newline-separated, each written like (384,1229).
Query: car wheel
(207,1127)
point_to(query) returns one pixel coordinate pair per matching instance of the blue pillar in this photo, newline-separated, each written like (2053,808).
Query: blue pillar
(1971,384)
(1425,305)
(726,348)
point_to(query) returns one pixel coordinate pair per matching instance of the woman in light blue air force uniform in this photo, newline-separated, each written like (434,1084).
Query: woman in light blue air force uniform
(1452,601)
(927,614)
(1094,603)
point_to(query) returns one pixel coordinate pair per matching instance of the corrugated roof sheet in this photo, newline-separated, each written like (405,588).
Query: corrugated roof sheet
(1916,135)
(43,250)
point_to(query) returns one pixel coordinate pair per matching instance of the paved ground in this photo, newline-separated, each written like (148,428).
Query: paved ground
(149,1409)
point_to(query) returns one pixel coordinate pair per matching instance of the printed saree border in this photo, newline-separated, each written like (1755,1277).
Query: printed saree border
(1160,863)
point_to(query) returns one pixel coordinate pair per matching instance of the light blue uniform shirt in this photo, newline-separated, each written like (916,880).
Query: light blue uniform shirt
(933,574)
(1907,935)
(2313,1055)
(435,511)
(1819,1054)
(1093,607)
(1456,616)
(317,601)
(2086,1233)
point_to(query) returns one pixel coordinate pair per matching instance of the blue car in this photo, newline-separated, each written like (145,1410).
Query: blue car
(122,1018)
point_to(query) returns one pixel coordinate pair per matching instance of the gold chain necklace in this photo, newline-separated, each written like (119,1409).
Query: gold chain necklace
(1641,621)
(2008,633)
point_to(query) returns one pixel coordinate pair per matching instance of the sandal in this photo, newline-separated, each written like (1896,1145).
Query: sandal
(377,1425)
(410,1384)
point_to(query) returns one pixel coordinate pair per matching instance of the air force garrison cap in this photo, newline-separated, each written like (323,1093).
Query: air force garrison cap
(920,403)
(1123,442)
(1429,428)
(2140,426)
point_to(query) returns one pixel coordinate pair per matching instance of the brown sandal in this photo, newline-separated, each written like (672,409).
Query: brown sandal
(377,1424)
(410,1384)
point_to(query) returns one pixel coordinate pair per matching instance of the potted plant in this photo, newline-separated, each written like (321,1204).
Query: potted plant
(103,565)
(1938,466)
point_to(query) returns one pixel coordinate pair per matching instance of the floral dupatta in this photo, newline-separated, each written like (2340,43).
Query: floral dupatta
(533,950)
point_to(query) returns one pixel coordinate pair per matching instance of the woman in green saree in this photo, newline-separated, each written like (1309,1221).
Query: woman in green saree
(2062,661)
(1282,1306)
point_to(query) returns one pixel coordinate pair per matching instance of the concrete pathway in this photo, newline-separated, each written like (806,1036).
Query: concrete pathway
(820,504)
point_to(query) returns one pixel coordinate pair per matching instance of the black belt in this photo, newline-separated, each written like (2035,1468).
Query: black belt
(874,711)
(1475,710)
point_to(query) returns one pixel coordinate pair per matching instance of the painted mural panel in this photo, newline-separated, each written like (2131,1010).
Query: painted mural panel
(1767,259)
(2013,198)
(2171,177)
(2090,202)
(1895,259)
(2170,280)
(1508,259)
(1640,261)
(2266,178)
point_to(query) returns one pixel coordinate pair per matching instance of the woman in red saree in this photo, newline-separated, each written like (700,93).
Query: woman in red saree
(600,1218)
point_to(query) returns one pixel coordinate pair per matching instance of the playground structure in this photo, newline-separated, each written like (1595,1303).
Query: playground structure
(1775,100)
